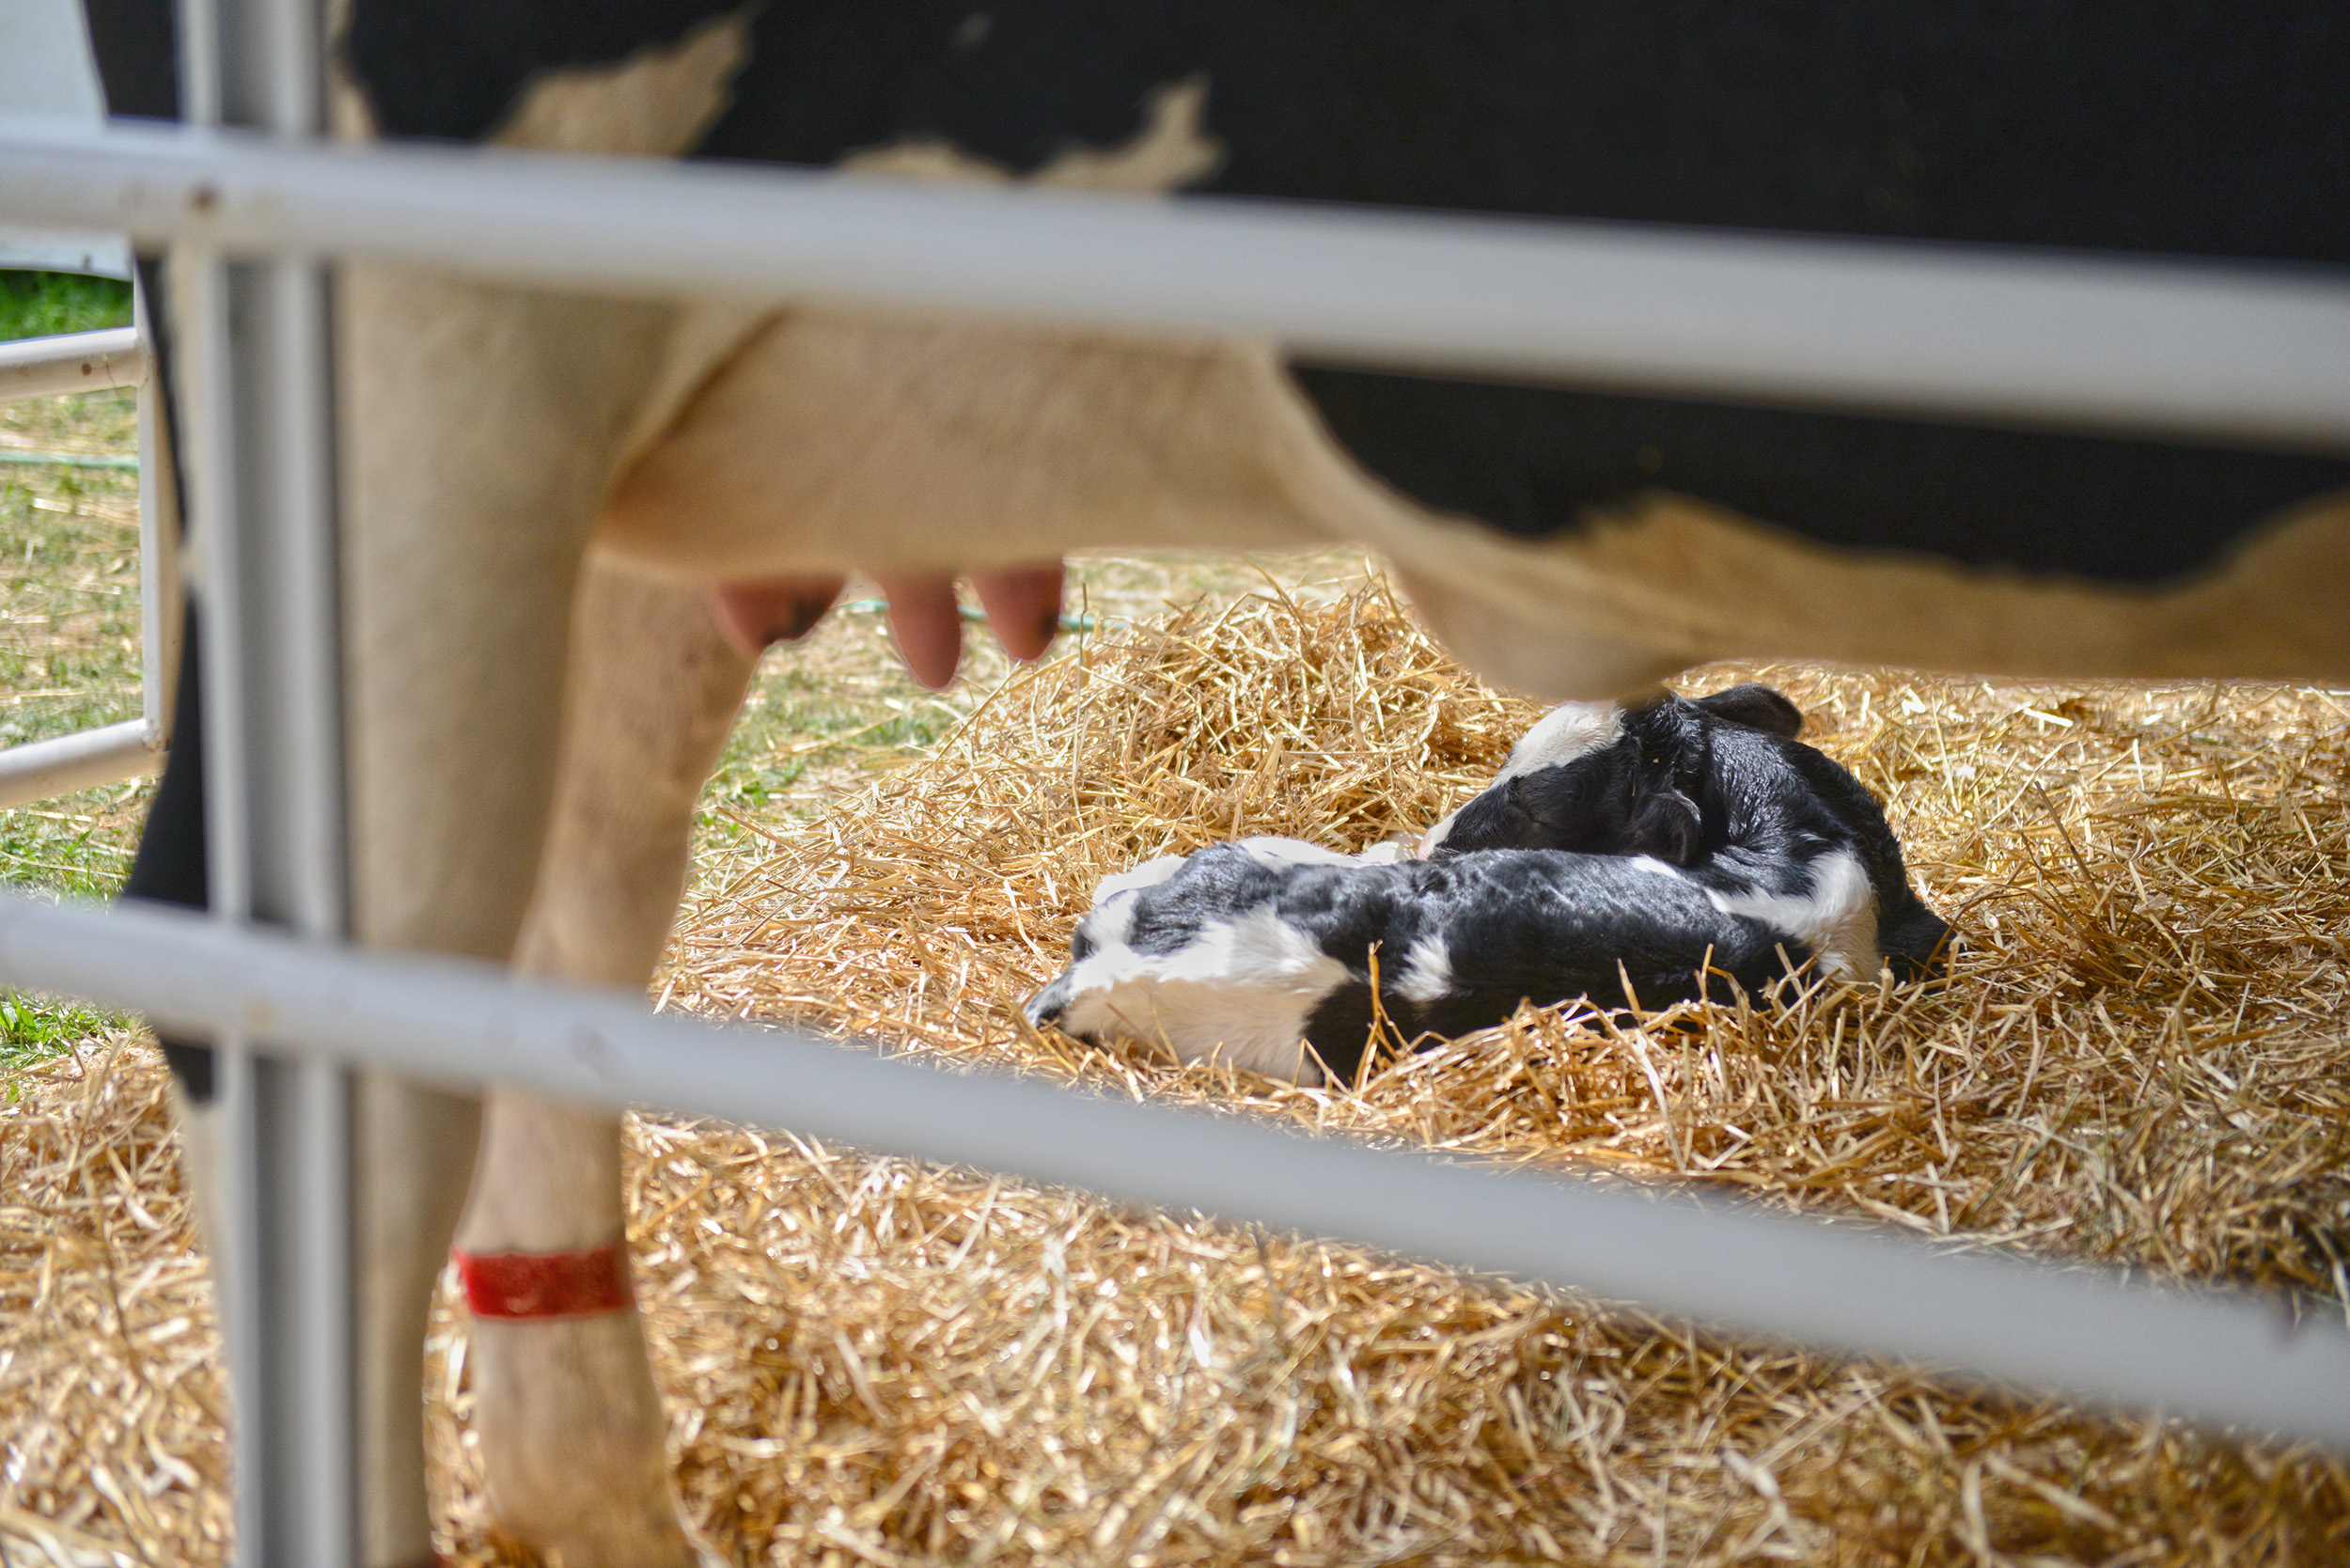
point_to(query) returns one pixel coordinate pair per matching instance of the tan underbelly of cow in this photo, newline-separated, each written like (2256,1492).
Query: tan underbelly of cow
(837,439)
(841,439)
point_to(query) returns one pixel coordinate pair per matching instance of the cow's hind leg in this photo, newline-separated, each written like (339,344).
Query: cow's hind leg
(572,1433)
(480,425)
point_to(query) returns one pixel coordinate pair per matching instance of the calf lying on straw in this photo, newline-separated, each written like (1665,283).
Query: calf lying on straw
(1631,856)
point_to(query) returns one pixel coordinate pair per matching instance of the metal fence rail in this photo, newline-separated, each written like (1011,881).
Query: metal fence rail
(2215,1355)
(2228,352)
(74,362)
(39,769)
(113,359)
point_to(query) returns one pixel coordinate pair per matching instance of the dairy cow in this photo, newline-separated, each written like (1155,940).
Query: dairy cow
(546,496)
(1630,855)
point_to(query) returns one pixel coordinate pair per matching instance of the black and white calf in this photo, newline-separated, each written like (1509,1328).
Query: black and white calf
(1631,856)
(1719,788)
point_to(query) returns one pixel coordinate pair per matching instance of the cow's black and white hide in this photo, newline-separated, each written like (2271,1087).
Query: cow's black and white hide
(1633,856)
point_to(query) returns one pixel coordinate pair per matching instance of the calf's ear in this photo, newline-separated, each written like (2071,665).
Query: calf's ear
(1756,707)
(1665,824)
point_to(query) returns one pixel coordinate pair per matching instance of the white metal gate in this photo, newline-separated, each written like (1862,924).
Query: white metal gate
(84,362)
(2228,352)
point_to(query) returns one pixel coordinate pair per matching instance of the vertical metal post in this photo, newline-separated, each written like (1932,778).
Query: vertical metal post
(257,413)
(160,586)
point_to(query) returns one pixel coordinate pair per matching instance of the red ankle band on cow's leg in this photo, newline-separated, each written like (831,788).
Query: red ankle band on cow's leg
(524,1285)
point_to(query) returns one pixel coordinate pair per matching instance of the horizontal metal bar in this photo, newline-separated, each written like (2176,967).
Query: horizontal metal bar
(68,460)
(35,251)
(72,362)
(40,769)
(2212,1355)
(2225,351)
(971,613)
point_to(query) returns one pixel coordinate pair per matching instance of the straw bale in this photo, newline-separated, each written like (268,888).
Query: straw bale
(2138,1059)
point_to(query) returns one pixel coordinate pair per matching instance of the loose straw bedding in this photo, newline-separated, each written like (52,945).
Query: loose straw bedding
(2138,1057)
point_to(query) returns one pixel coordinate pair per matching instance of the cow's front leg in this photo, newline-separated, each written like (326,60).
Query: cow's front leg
(480,427)
(573,1432)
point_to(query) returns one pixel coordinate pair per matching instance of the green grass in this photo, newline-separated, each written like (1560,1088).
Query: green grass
(32,1026)
(39,304)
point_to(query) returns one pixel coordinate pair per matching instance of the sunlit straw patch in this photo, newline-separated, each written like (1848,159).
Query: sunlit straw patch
(2138,1057)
